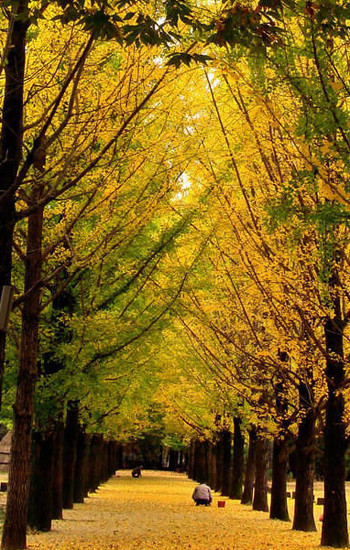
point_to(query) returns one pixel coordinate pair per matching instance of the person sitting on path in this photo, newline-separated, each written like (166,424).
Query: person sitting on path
(202,495)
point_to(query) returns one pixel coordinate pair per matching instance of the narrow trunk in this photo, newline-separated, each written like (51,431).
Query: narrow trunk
(334,527)
(279,508)
(57,485)
(238,461)
(191,461)
(87,466)
(305,450)
(212,465)
(80,480)
(262,458)
(173,459)
(69,453)
(247,497)
(226,439)
(219,463)
(95,462)
(41,479)
(14,532)
(105,470)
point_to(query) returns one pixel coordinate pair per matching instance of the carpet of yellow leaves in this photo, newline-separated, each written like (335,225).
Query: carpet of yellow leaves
(155,512)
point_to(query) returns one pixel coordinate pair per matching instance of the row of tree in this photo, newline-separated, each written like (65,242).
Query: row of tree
(178,240)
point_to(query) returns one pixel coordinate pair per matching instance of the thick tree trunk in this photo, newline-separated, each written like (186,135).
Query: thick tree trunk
(334,527)
(70,453)
(40,495)
(11,152)
(57,485)
(14,532)
(279,508)
(238,461)
(201,461)
(247,497)
(262,458)
(305,450)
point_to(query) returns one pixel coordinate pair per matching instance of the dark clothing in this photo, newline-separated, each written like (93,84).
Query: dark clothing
(202,501)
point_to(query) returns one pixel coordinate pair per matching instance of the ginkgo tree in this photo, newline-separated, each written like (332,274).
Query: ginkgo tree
(81,145)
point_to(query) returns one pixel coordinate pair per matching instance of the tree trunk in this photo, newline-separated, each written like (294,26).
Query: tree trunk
(212,465)
(87,466)
(173,459)
(14,532)
(247,497)
(70,453)
(57,485)
(40,495)
(334,527)
(262,458)
(305,451)
(219,463)
(201,461)
(191,460)
(238,461)
(80,472)
(226,441)
(10,156)
(279,508)
(95,462)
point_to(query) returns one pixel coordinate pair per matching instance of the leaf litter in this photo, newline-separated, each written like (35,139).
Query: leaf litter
(156,512)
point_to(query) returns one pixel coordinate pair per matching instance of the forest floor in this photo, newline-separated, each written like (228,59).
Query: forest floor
(155,512)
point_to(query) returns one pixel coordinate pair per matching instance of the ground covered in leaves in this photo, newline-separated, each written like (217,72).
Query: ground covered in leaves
(156,512)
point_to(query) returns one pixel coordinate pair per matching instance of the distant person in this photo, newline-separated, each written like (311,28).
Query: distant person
(202,495)
(137,471)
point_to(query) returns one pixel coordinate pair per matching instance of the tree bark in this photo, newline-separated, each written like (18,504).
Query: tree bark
(57,485)
(219,463)
(80,474)
(201,461)
(173,459)
(334,526)
(226,441)
(212,465)
(191,466)
(262,458)
(14,532)
(41,480)
(70,452)
(87,466)
(305,469)
(238,461)
(11,151)
(279,508)
(247,497)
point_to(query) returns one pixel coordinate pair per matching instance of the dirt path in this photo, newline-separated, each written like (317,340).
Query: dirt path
(156,512)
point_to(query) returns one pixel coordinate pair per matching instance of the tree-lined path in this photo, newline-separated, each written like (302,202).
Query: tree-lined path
(175,269)
(156,512)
